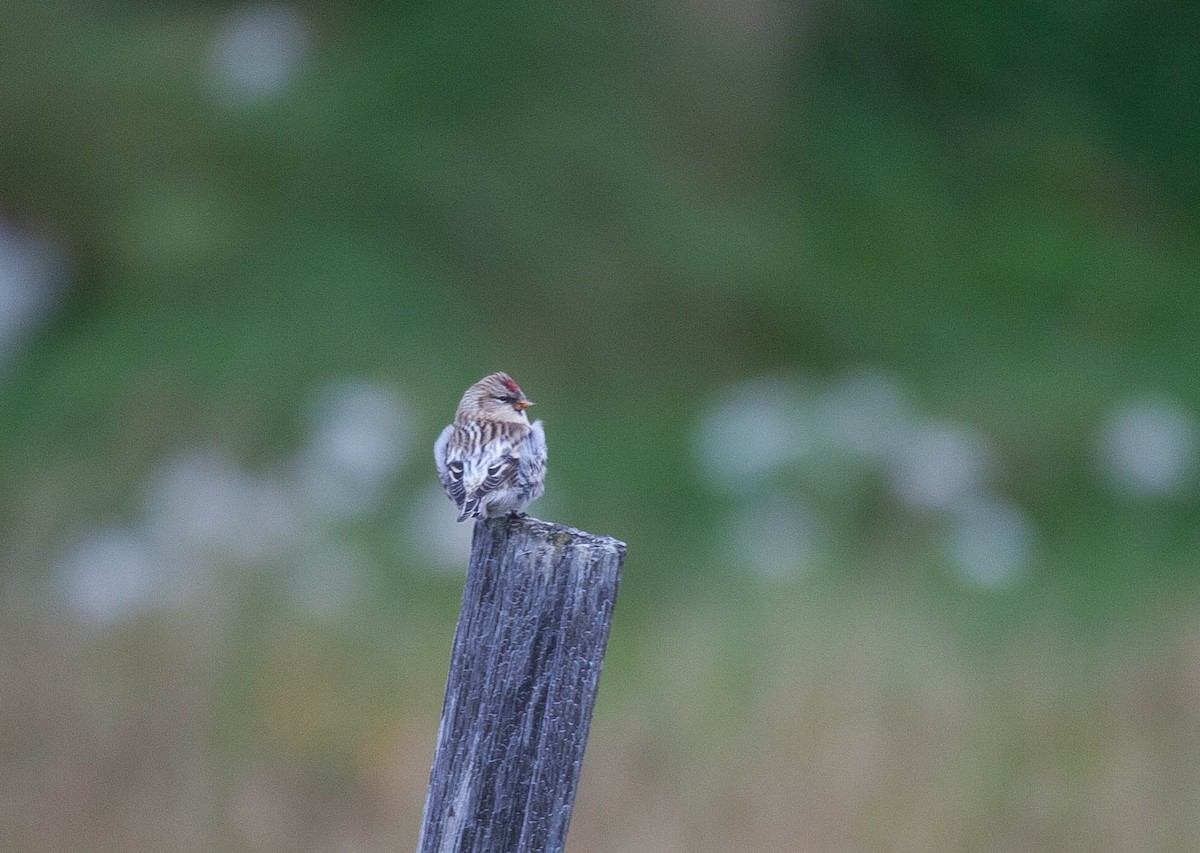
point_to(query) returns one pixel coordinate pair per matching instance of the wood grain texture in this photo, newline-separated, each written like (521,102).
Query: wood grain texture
(524,668)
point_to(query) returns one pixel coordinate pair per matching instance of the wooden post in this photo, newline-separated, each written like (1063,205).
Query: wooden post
(524,667)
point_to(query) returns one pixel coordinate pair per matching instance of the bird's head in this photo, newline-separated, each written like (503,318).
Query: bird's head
(495,398)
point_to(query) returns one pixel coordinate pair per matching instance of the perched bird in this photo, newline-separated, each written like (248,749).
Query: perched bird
(491,460)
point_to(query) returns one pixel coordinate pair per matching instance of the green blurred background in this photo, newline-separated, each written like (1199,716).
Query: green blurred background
(871,328)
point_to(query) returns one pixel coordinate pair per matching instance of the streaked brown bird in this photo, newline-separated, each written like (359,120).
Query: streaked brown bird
(491,459)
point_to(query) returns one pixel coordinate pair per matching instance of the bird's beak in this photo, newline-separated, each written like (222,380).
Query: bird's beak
(520,405)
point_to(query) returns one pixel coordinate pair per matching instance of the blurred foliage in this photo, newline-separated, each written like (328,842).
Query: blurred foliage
(628,208)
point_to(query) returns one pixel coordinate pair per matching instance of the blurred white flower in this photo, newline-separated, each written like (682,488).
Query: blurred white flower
(778,538)
(108,577)
(991,541)
(201,506)
(939,465)
(866,414)
(1148,448)
(752,429)
(359,436)
(31,269)
(431,533)
(258,52)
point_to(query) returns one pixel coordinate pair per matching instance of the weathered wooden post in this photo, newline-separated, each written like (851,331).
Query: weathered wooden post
(524,667)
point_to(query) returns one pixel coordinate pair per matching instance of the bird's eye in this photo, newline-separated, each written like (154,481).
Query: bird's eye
(505,399)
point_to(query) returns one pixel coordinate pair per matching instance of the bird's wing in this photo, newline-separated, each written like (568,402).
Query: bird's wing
(447,454)
(439,449)
(499,473)
(493,468)
(531,467)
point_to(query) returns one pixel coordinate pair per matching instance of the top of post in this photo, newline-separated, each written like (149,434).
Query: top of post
(558,534)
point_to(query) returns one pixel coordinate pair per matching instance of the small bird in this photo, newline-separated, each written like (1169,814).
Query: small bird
(491,460)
